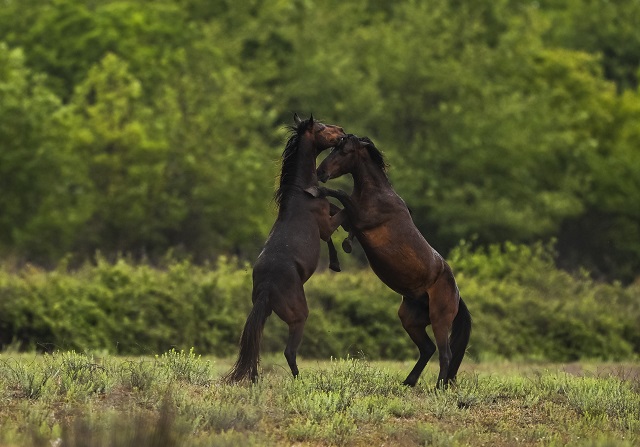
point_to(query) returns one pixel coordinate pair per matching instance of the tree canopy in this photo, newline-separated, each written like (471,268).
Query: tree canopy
(142,127)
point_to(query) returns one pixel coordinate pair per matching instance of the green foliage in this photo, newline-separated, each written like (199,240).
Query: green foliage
(531,309)
(125,309)
(41,207)
(604,28)
(143,127)
(522,306)
(186,367)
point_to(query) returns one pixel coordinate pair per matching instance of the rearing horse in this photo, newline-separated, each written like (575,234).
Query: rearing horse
(290,254)
(401,256)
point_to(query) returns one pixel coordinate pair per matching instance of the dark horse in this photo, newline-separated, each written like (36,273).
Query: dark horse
(290,254)
(401,257)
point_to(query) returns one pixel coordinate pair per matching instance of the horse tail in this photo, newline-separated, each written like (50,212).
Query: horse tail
(246,367)
(460,333)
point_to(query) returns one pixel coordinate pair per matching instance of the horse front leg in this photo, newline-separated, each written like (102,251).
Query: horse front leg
(336,218)
(343,197)
(334,262)
(346,244)
(346,224)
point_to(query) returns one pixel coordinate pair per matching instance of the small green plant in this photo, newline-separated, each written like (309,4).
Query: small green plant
(139,375)
(187,367)
(431,435)
(77,376)
(27,380)
(610,398)
(404,407)
(143,402)
(336,430)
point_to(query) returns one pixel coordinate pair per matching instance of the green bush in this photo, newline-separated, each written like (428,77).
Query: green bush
(125,308)
(522,306)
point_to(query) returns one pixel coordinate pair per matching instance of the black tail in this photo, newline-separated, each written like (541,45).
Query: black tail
(246,367)
(460,333)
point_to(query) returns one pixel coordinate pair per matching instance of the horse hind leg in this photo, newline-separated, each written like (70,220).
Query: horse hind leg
(295,338)
(295,315)
(442,311)
(441,333)
(414,316)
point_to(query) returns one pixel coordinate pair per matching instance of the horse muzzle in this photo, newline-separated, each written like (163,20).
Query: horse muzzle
(323,176)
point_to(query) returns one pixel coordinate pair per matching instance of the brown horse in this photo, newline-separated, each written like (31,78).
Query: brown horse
(401,257)
(290,254)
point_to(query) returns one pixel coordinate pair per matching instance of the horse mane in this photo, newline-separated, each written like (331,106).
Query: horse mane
(375,154)
(289,157)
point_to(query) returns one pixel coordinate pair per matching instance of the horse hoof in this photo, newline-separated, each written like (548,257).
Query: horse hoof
(346,246)
(334,267)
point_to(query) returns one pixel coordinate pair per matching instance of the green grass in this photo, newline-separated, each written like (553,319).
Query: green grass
(71,399)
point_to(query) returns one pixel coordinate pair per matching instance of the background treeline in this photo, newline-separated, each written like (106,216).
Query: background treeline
(140,127)
(130,308)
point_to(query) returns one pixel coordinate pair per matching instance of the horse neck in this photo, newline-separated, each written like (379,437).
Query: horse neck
(302,175)
(368,178)
(305,175)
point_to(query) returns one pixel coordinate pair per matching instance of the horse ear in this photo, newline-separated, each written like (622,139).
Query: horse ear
(296,119)
(310,121)
(366,142)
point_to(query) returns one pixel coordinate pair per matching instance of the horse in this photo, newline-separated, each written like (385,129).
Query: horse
(400,256)
(291,252)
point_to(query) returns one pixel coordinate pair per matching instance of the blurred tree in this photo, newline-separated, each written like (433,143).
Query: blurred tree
(485,125)
(606,238)
(125,162)
(62,39)
(608,28)
(161,123)
(65,38)
(40,182)
(224,146)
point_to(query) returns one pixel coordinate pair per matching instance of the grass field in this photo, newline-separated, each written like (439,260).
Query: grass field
(176,399)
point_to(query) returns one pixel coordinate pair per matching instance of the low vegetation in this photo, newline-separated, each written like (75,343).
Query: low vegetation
(523,307)
(73,399)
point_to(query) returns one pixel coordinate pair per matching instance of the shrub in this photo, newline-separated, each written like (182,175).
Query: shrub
(522,307)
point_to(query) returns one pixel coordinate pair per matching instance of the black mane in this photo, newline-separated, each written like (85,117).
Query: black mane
(375,154)
(289,157)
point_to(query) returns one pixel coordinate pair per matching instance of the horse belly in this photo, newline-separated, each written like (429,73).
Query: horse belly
(288,246)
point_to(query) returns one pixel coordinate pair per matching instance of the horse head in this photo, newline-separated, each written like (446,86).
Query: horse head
(345,157)
(323,136)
